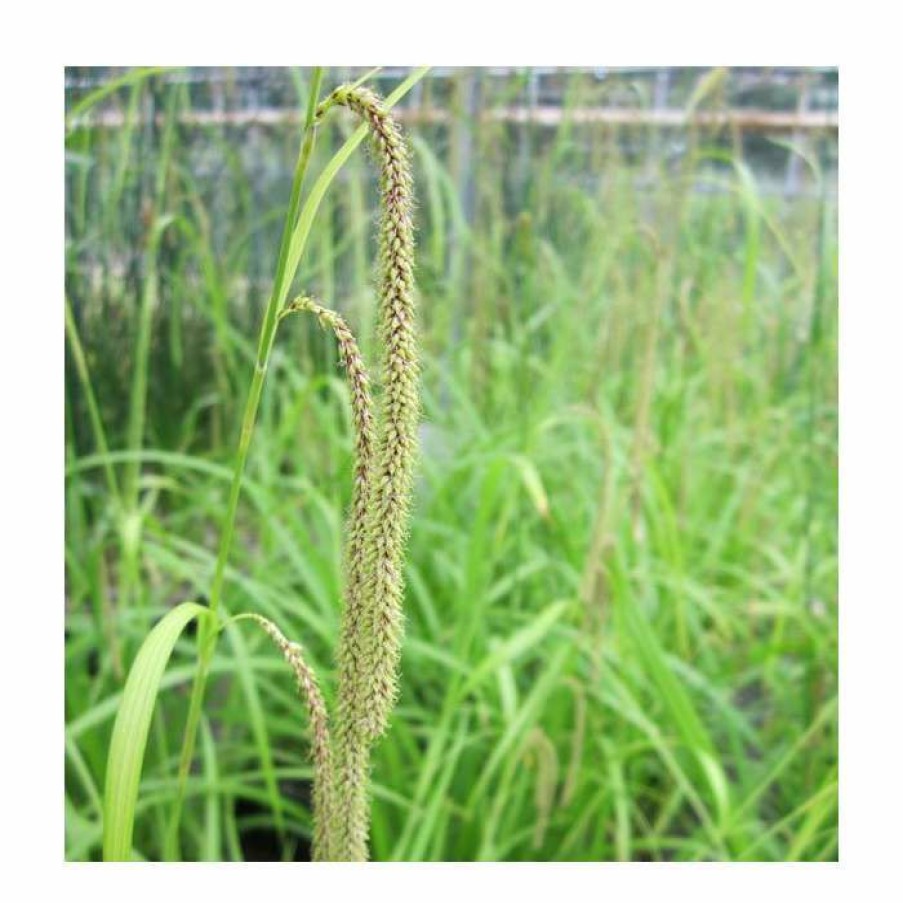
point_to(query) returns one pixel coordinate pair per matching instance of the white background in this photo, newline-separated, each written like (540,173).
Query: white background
(38,41)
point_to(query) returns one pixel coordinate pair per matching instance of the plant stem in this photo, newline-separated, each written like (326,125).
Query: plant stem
(208,632)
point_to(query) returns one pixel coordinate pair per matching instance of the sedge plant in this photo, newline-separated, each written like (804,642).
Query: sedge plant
(568,582)
(369,645)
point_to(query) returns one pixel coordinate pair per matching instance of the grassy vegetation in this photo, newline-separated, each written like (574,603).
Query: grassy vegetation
(621,631)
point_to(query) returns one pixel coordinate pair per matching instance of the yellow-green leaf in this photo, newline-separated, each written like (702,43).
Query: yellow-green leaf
(130,731)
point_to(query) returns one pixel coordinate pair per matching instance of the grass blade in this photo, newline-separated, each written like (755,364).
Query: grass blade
(130,731)
(674,697)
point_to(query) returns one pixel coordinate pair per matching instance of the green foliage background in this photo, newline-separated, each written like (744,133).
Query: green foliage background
(622,575)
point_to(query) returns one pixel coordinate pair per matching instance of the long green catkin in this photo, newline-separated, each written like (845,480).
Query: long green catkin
(397,446)
(309,691)
(370,643)
(348,810)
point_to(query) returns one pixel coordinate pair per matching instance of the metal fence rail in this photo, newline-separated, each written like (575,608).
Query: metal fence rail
(744,119)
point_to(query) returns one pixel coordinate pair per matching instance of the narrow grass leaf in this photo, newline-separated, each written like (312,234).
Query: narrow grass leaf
(129,738)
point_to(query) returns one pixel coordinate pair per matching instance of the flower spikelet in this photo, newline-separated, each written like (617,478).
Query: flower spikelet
(397,445)
(349,830)
(309,691)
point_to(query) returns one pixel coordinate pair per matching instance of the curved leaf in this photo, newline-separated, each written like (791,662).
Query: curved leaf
(130,731)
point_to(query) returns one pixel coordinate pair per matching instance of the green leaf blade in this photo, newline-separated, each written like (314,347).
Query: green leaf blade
(129,739)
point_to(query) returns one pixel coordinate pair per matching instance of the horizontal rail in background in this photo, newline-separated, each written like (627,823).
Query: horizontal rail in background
(744,119)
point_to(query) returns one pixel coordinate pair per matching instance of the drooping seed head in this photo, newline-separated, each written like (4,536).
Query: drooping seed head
(397,446)
(309,691)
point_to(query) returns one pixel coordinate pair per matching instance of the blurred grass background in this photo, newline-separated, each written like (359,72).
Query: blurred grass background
(622,576)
